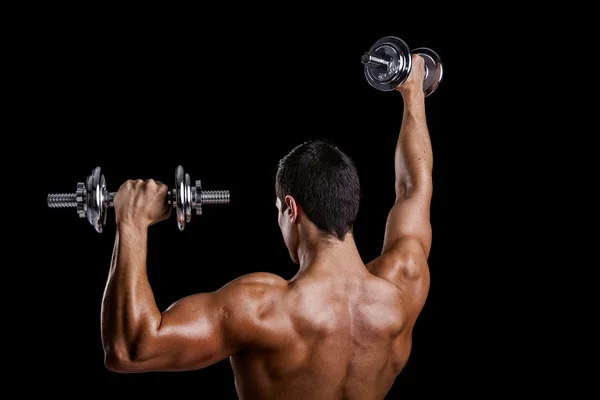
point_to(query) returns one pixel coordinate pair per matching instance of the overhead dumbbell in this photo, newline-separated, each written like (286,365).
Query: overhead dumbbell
(92,199)
(388,63)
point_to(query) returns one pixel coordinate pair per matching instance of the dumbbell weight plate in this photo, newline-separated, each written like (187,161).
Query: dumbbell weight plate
(96,199)
(188,198)
(396,52)
(433,67)
(178,202)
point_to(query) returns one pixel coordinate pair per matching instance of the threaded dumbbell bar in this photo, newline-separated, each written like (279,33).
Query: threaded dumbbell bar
(91,199)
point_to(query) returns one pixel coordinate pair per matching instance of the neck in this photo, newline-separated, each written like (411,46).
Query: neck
(317,254)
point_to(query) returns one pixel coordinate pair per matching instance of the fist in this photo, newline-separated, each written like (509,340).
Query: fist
(141,203)
(416,77)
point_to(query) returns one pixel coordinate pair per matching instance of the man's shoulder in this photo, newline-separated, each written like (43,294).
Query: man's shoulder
(258,284)
(260,278)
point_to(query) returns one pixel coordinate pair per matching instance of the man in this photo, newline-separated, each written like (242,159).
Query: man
(339,329)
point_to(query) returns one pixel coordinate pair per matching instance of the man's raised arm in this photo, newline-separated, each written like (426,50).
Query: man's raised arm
(407,239)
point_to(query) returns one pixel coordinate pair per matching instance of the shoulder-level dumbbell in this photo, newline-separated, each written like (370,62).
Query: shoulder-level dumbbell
(388,62)
(92,199)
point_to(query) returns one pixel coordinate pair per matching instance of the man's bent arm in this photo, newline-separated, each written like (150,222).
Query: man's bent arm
(194,332)
(137,337)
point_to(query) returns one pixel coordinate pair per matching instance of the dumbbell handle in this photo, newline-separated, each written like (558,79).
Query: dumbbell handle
(374,60)
(368,58)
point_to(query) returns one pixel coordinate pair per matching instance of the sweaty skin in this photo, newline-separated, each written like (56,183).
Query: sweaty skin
(339,329)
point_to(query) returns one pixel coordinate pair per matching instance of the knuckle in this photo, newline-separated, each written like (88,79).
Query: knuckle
(137,183)
(151,182)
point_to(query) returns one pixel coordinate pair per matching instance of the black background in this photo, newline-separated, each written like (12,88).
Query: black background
(226,98)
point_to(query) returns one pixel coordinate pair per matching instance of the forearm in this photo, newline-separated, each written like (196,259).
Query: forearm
(413,157)
(129,310)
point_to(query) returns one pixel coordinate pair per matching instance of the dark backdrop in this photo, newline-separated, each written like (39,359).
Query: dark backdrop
(140,96)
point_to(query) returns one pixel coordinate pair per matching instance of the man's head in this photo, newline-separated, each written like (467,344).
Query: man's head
(316,183)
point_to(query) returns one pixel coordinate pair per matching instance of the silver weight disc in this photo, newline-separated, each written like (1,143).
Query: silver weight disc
(188,198)
(179,197)
(433,69)
(96,199)
(387,63)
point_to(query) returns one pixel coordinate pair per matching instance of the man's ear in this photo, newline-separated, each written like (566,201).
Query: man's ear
(292,208)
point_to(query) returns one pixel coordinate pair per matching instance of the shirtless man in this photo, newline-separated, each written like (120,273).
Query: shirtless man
(339,329)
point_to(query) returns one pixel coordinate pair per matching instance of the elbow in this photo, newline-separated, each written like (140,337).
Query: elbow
(126,357)
(118,359)
(409,187)
(402,189)
(114,363)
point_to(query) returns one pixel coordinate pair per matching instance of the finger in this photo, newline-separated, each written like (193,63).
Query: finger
(156,182)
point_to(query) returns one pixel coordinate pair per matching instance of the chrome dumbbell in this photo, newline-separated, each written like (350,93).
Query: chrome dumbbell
(388,62)
(92,199)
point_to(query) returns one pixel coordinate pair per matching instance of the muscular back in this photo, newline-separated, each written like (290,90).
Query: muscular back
(326,336)
(340,330)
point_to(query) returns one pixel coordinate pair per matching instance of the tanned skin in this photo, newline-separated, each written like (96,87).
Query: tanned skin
(339,329)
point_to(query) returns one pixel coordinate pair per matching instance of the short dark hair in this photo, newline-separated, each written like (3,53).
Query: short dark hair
(324,181)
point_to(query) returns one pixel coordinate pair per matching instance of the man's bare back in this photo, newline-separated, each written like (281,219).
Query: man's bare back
(339,329)
(330,335)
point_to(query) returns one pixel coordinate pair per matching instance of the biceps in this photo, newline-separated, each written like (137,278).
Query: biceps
(409,218)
